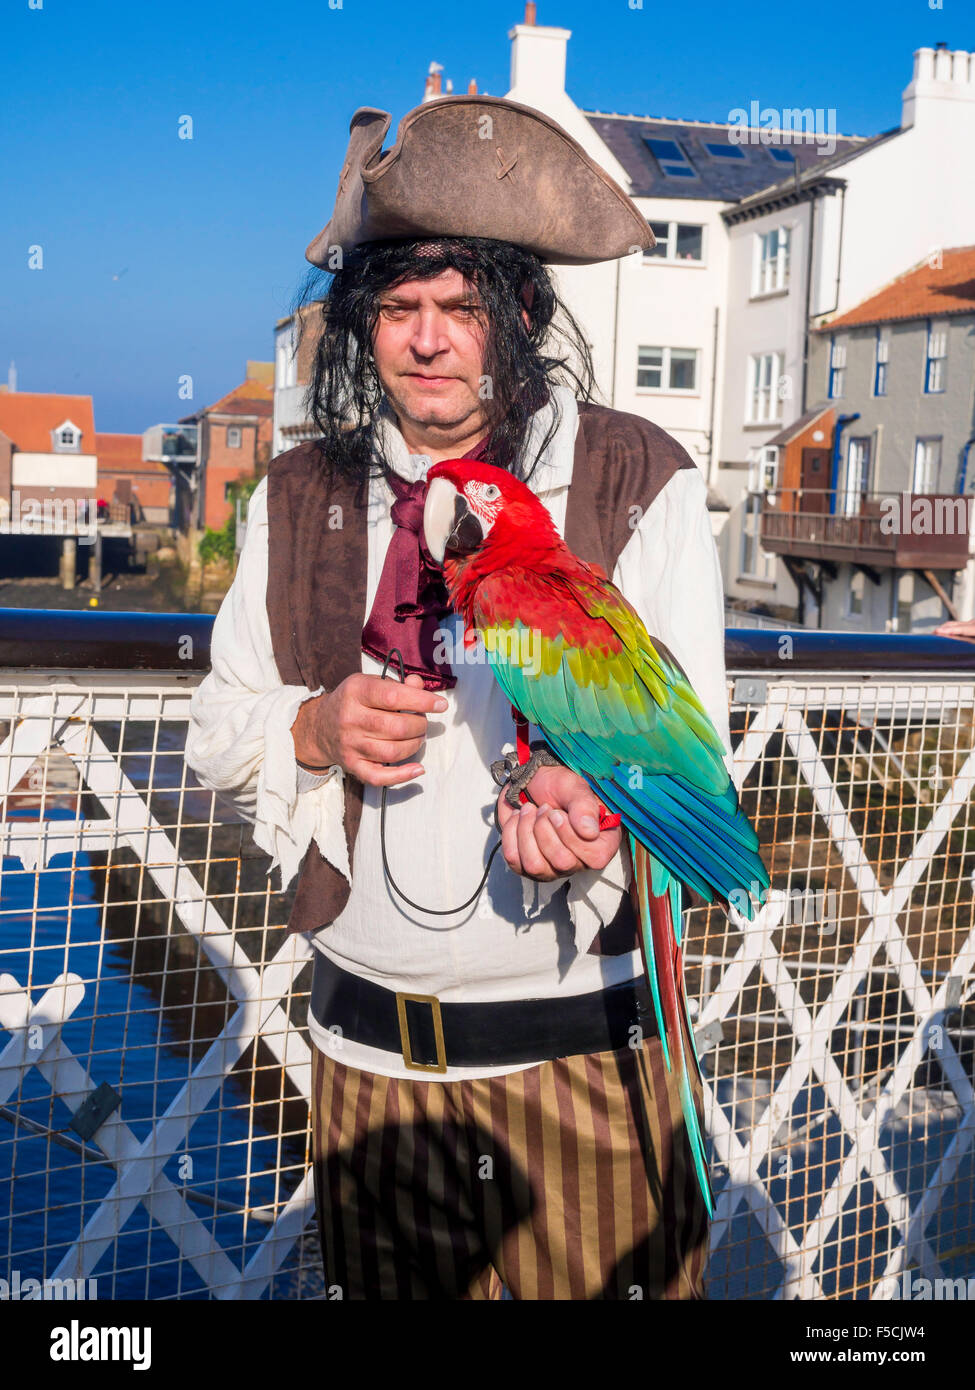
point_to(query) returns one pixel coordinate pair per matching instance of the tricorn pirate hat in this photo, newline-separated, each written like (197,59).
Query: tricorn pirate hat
(484,167)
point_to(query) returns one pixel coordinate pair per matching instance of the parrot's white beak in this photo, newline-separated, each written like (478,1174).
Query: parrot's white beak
(448,522)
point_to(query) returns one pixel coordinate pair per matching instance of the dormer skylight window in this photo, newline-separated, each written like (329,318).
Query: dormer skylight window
(66,439)
(724,151)
(672,160)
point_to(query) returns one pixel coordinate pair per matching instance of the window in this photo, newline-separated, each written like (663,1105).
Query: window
(650,367)
(837,368)
(233,436)
(763,468)
(285,361)
(666,369)
(690,242)
(678,241)
(683,369)
(854,595)
(724,151)
(905,602)
(857,481)
(755,562)
(763,396)
(672,160)
(66,438)
(661,235)
(880,362)
(771,261)
(780,155)
(927,465)
(935,368)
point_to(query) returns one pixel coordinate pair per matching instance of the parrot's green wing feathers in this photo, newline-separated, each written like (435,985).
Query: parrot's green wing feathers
(618,708)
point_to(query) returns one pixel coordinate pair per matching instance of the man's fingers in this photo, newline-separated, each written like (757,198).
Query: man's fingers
(556,853)
(394,695)
(376,775)
(509,838)
(584,817)
(383,750)
(384,724)
(591,853)
(533,860)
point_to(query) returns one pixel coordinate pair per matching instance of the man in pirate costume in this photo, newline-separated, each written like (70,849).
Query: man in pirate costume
(490,1101)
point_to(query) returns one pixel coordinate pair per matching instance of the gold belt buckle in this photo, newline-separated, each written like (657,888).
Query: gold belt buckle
(440,1065)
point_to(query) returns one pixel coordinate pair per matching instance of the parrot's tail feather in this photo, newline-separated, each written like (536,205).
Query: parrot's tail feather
(640,860)
(661,933)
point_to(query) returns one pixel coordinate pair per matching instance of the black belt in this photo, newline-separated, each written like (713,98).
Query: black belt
(432,1036)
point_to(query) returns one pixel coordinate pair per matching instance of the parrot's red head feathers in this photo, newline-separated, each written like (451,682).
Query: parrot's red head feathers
(504,511)
(478,519)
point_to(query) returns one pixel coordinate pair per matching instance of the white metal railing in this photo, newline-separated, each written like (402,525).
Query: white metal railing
(154,1065)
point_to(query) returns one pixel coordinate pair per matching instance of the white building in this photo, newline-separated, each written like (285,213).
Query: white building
(765,224)
(849,226)
(655,321)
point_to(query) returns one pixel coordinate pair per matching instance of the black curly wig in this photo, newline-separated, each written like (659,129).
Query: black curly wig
(344,390)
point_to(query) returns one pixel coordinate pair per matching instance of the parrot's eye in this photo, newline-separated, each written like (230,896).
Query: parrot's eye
(491,492)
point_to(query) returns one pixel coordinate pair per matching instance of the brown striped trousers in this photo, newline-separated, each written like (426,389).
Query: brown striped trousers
(572,1180)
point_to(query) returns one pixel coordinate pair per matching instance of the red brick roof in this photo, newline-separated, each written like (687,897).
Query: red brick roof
(249,398)
(28,417)
(122,453)
(925,292)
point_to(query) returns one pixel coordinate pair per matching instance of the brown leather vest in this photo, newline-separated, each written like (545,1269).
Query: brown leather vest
(316,591)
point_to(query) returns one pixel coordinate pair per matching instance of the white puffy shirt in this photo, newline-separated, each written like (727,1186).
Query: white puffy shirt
(521,939)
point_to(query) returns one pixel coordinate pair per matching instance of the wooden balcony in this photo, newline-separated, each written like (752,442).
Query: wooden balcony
(883,530)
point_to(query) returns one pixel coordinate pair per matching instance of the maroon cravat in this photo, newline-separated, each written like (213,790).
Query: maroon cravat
(411,601)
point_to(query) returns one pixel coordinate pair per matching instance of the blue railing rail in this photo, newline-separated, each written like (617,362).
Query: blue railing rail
(52,639)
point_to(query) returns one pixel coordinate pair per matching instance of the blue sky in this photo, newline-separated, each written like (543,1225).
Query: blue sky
(165,256)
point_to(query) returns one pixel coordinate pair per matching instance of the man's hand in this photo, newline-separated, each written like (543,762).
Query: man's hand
(964,630)
(364,724)
(560,835)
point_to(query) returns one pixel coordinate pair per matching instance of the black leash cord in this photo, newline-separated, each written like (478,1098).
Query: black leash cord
(431,911)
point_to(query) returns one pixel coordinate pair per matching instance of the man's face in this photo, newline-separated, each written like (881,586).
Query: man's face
(428,347)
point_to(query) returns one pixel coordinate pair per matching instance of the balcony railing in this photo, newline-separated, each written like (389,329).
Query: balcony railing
(154,1061)
(884,530)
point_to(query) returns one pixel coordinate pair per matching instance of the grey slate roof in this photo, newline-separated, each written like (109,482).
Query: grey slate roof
(824,169)
(722,180)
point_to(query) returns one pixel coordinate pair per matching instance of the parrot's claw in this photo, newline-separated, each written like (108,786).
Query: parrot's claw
(510,773)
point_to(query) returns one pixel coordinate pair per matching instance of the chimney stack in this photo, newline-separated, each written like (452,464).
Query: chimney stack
(433,85)
(942,79)
(472,88)
(537,60)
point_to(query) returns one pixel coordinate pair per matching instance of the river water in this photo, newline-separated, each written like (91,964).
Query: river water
(142,1034)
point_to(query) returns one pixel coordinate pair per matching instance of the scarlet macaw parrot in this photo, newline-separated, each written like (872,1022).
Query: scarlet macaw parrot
(615,706)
